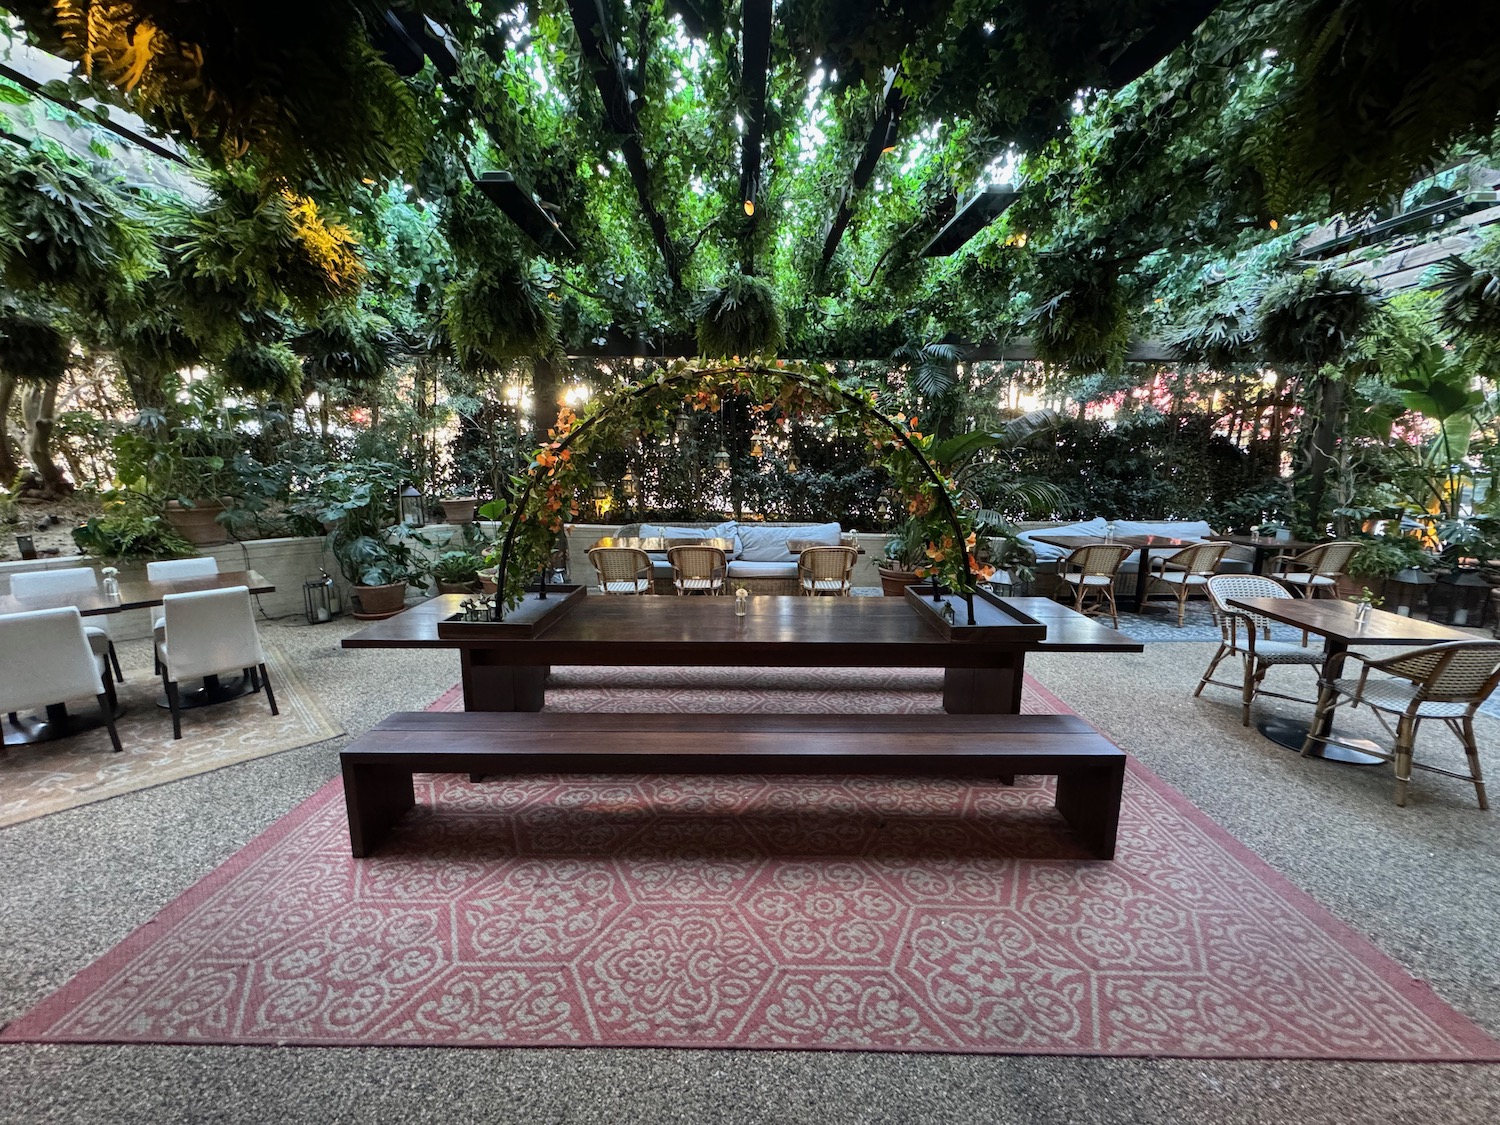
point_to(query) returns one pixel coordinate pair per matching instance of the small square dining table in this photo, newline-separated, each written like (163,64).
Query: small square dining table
(1341,629)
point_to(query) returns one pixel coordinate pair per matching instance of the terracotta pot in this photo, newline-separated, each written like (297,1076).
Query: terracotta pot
(456,587)
(198,524)
(487,581)
(893,582)
(460,509)
(376,602)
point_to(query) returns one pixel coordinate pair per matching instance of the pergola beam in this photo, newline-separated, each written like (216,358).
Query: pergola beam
(882,139)
(607,66)
(520,206)
(977,212)
(755,62)
(660,344)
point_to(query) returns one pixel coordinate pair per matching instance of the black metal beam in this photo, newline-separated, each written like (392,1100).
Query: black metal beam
(521,207)
(20,78)
(882,139)
(606,64)
(662,345)
(1158,41)
(755,61)
(976,213)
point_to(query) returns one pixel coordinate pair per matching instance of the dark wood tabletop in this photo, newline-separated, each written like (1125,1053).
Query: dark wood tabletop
(135,595)
(1335,621)
(658,544)
(850,631)
(1265,542)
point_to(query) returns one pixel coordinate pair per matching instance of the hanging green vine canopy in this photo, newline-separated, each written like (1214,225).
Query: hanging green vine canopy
(559,470)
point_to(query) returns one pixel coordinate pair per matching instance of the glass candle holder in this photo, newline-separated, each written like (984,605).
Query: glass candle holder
(111,583)
(741,603)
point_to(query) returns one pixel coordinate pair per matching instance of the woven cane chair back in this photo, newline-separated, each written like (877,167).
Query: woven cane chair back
(825,570)
(622,570)
(1204,558)
(1222,587)
(1327,561)
(697,568)
(1456,672)
(1099,561)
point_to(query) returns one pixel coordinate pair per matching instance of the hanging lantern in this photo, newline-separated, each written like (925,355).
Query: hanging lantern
(318,599)
(627,485)
(883,510)
(411,507)
(721,460)
(793,466)
(755,448)
(684,422)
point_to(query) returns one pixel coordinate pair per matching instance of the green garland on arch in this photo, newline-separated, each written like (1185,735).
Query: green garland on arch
(557,473)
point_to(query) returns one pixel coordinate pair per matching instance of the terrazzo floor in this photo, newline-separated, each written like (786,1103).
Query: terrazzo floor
(1422,882)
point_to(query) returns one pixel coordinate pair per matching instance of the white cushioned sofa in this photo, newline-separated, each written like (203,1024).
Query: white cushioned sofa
(760,559)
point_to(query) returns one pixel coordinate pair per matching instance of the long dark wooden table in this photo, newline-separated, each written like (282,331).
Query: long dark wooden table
(1144,544)
(981,675)
(59,723)
(1335,622)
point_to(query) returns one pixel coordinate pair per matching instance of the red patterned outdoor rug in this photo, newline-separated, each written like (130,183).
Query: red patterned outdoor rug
(837,913)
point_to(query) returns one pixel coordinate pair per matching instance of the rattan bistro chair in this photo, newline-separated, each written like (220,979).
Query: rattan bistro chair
(1186,571)
(697,569)
(1447,681)
(1097,567)
(1256,650)
(826,570)
(622,570)
(1318,570)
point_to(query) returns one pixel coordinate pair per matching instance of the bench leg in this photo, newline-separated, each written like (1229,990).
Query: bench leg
(1089,800)
(375,797)
(501,687)
(985,691)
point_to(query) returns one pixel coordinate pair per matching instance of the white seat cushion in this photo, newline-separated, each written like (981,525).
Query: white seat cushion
(701,583)
(1305,579)
(1396,695)
(628,586)
(820,584)
(1181,578)
(1087,579)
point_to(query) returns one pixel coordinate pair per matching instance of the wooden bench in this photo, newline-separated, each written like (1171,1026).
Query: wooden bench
(378,766)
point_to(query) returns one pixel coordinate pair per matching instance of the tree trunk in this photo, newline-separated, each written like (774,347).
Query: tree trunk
(1319,447)
(10,467)
(38,400)
(546,382)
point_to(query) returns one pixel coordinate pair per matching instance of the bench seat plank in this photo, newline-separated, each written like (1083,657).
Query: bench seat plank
(378,766)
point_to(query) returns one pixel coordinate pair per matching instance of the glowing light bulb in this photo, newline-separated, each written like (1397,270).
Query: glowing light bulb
(749,206)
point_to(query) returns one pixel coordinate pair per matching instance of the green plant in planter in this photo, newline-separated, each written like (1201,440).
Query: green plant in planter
(457,568)
(1386,555)
(383,560)
(129,530)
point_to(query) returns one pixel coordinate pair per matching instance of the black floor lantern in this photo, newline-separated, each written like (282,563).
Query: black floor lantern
(320,599)
(1405,590)
(1460,597)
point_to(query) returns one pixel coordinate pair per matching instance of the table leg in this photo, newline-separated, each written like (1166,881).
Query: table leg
(501,687)
(985,691)
(1292,733)
(1142,579)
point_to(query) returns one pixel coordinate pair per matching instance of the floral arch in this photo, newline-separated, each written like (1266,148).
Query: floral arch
(557,473)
